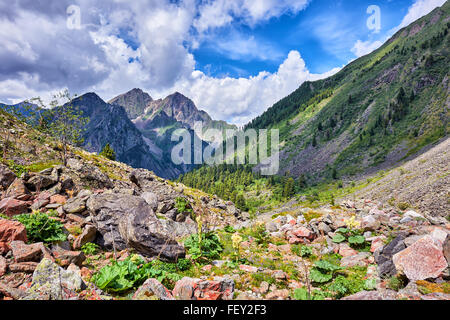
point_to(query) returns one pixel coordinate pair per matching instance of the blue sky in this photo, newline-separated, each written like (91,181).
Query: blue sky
(233,58)
(324,33)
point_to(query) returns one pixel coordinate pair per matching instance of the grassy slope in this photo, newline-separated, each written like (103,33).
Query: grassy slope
(351,138)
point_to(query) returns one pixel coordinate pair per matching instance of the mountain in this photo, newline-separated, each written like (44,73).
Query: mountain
(176,106)
(134,101)
(378,110)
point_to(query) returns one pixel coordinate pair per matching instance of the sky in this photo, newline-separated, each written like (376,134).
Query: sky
(233,58)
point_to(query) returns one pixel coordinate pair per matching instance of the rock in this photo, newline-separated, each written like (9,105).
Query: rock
(51,282)
(323,228)
(10,231)
(152,288)
(3,266)
(6,177)
(75,205)
(25,267)
(440,235)
(365,295)
(152,199)
(383,257)
(369,223)
(279,275)
(446,248)
(412,239)
(12,207)
(40,182)
(360,259)
(271,226)
(246,296)
(282,294)
(90,175)
(423,260)
(247,268)
(377,243)
(88,235)
(303,232)
(129,221)
(57,198)
(18,190)
(67,257)
(177,229)
(26,252)
(346,251)
(197,289)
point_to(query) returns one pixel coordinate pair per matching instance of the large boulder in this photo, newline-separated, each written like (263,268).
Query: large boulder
(383,257)
(10,231)
(88,235)
(197,289)
(128,221)
(423,260)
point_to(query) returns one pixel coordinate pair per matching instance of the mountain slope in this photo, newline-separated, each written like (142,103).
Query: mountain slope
(377,110)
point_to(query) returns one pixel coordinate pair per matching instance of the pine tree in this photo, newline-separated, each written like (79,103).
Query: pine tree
(108,152)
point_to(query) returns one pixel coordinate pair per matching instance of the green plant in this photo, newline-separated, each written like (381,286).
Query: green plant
(41,228)
(108,152)
(90,248)
(353,236)
(303,294)
(397,283)
(323,271)
(182,205)
(229,229)
(121,276)
(206,245)
(302,251)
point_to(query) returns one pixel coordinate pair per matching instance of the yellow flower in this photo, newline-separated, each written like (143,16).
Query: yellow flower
(236,239)
(351,223)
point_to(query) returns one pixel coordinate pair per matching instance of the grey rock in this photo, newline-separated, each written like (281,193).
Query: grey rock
(152,199)
(51,282)
(152,287)
(40,182)
(383,257)
(128,221)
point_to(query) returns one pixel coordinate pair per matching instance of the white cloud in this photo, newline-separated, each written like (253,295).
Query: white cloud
(241,99)
(419,9)
(361,48)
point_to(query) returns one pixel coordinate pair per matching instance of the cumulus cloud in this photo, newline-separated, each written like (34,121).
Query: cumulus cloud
(419,9)
(145,44)
(361,48)
(241,99)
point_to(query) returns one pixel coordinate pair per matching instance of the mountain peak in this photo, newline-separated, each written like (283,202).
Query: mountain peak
(134,102)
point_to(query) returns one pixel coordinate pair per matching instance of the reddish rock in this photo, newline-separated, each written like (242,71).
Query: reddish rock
(303,232)
(26,267)
(66,257)
(152,287)
(423,260)
(196,289)
(295,240)
(26,252)
(282,294)
(12,207)
(86,273)
(3,266)
(10,231)
(207,268)
(447,249)
(57,198)
(377,243)
(346,251)
(247,268)
(88,235)
(360,259)
(18,190)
